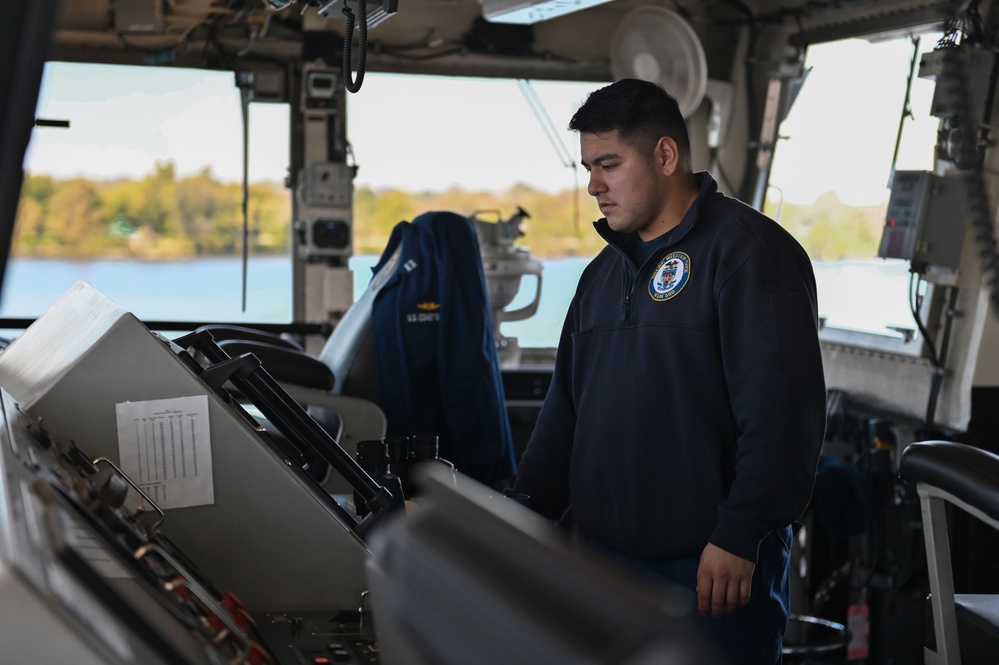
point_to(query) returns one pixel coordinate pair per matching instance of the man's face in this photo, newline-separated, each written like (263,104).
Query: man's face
(629,185)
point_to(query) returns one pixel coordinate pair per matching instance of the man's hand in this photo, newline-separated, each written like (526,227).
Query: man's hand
(724,581)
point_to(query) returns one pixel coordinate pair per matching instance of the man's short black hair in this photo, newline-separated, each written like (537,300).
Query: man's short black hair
(641,112)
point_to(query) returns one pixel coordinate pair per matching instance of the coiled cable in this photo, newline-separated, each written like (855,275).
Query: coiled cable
(362,45)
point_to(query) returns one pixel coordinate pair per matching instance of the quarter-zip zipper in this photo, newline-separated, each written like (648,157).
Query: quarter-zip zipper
(632,273)
(706,188)
(629,290)
(630,282)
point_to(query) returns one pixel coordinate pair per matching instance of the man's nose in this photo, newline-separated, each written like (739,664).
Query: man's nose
(595,185)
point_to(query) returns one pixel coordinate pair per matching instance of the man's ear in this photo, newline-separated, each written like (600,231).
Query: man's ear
(668,155)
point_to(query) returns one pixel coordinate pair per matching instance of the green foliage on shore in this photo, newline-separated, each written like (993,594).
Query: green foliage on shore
(552,230)
(830,230)
(163,216)
(159,216)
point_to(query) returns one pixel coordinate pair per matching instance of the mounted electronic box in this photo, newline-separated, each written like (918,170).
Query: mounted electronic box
(319,88)
(326,195)
(927,213)
(925,221)
(326,190)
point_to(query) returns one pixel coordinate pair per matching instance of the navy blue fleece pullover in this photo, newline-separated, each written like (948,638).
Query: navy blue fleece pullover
(688,401)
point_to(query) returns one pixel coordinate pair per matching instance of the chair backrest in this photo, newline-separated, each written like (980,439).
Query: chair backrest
(965,477)
(424,324)
(350,351)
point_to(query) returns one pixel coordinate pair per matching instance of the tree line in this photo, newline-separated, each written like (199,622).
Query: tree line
(159,216)
(163,216)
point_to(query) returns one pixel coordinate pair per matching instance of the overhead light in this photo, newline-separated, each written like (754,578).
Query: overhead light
(532,11)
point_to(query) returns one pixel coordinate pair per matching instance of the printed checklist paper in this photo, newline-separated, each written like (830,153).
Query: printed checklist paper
(165,448)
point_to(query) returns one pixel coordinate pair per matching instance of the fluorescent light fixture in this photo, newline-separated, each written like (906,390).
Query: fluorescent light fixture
(532,11)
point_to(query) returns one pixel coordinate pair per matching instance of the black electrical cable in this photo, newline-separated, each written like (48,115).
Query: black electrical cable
(362,45)
(212,41)
(937,359)
(913,307)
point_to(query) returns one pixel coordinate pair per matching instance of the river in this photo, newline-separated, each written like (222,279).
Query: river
(861,295)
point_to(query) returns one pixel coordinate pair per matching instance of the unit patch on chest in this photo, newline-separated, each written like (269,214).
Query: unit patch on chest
(670,277)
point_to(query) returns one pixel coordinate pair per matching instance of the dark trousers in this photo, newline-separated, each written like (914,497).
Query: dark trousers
(754,633)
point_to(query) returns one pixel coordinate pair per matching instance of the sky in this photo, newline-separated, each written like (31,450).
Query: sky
(412,132)
(419,133)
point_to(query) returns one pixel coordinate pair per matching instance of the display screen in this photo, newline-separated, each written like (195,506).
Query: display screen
(321,84)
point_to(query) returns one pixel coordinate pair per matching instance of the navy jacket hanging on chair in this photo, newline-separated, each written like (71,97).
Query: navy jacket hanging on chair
(438,371)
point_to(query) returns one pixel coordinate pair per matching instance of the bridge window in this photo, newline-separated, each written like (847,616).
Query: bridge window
(829,183)
(141,197)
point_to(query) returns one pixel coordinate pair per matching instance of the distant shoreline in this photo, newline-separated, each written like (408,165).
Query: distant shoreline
(166,217)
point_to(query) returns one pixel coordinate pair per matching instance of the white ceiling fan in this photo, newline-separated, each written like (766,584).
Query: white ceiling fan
(655,44)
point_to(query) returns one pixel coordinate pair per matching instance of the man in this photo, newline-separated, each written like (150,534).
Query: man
(687,407)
